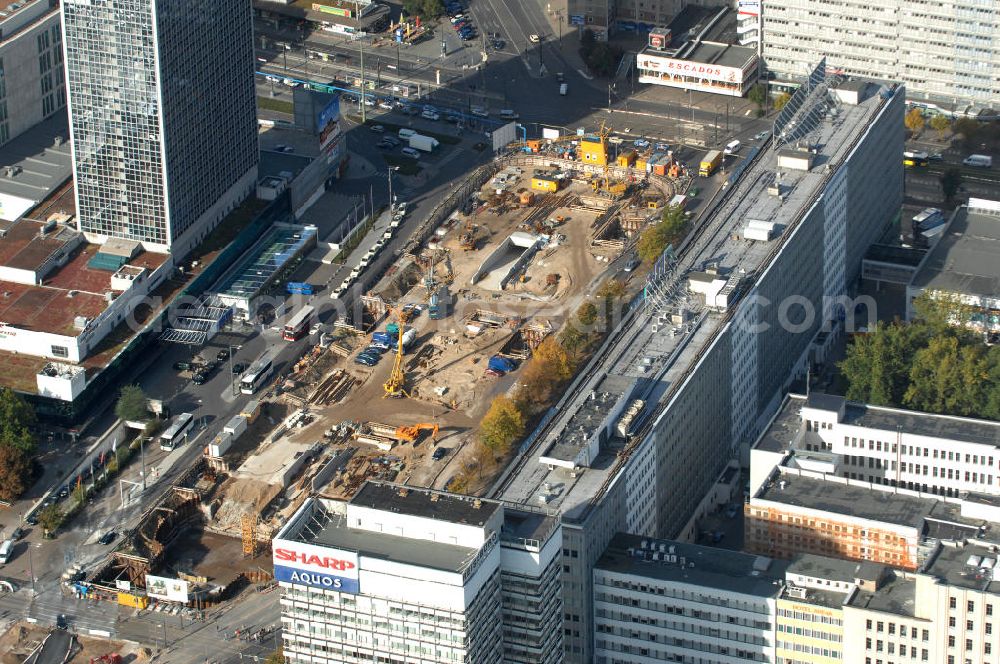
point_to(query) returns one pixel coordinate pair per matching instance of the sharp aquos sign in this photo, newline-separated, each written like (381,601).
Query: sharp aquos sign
(316,566)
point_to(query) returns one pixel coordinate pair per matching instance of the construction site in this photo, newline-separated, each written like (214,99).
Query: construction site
(397,393)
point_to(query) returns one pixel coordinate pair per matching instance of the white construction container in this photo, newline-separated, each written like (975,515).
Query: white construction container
(220,445)
(236,426)
(760,231)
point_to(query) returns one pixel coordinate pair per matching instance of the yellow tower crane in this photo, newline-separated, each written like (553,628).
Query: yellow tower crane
(395,385)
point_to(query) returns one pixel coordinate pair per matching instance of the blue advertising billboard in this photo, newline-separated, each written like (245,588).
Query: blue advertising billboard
(328,124)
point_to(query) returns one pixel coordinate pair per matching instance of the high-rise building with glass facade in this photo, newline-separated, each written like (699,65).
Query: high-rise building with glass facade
(162,115)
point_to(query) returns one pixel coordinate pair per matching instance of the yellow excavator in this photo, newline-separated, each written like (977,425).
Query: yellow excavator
(395,385)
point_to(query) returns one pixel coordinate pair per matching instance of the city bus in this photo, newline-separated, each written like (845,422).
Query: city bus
(298,324)
(177,431)
(915,159)
(256,375)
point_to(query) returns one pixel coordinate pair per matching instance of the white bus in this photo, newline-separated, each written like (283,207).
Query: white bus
(5,550)
(256,375)
(176,432)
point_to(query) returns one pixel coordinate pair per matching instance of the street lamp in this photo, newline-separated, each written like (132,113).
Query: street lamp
(391,199)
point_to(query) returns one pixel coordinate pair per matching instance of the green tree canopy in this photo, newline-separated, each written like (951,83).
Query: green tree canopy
(670,230)
(940,123)
(758,95)
(131,404)
(501,426)
(587,314)
(16,420)
(951,181)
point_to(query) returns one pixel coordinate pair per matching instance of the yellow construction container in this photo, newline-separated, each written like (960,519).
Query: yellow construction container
(592,151)
(544,183)
(627,159)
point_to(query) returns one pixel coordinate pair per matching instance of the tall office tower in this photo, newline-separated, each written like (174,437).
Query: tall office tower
(945,53)
(399,574)
(31,73)
(695,374)
(162,116)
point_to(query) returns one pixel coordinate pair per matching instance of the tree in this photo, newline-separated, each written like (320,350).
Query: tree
(424,8)
(131,404)
(669,230)
(552,356)
(611,289)
(549,366)
(587,314)
(967,128)
(948,378)
(951,182)
(501,426)
(15,469)
(940,123)
(573,340)
(758,95)
(781,100)
(16,420)
(587,42)
(276,657)
(877,365)
(51,518)
(914,121)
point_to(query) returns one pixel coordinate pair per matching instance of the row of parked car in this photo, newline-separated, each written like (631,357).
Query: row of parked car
(398,212)
(459,20)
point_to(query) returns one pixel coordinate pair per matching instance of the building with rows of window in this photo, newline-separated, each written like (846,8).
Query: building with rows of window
(410,575)
(945,53)
(31,73)
(162,117)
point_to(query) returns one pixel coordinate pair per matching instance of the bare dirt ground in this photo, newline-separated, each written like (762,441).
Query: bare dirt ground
(20,639)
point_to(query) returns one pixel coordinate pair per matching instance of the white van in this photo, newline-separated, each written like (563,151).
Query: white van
(978,161)
(732,147)
(405,133)
(5,550)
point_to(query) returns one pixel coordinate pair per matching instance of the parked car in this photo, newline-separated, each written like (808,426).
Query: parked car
(182,366)
(762,135)
(439,454)
(239,368)
(937,156)
(430,115)
(199,378)
(365,360)
(640,143)
(499,44)
(384,145)
(375,350)
(222,355)
(632,264)
(107,538)
(391,140)
(662,147)
(378,129)
(411,153)
(387,104)
(534,39)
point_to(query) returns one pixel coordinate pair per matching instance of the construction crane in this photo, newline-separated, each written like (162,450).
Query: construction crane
(411,433)
(395,385)
(603,183)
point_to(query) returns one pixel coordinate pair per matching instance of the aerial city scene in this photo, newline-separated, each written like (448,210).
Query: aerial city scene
(499,332)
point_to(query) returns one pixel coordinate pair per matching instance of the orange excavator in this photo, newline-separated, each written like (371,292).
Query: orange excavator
(409,434)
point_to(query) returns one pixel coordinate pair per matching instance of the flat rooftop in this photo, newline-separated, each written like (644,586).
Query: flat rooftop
(724,55)
(580,428)
(705,566)
(438,505)
(928,516)
(967,257)
(663,360)
(786,430)
(24,247)
(897,596)
(328,528)
(966,567)
(41,158)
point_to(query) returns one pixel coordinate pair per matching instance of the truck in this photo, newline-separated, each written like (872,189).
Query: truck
(709,163)
(978,161)
(423,143)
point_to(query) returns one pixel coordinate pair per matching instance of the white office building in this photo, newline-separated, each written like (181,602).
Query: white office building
(940,454)
(162,117)
(31,73)
(667,601)
(707,369)
(408,575)
(945,53)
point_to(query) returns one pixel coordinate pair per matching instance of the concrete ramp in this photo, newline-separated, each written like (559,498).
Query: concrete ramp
(510,257)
